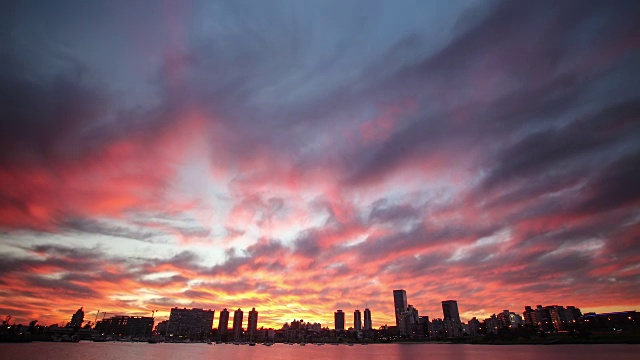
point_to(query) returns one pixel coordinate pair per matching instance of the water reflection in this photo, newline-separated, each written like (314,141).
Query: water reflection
(143,351)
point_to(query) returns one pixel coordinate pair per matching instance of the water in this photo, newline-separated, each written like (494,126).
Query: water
(144,351)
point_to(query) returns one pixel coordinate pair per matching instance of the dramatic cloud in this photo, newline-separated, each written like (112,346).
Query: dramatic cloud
(301,157)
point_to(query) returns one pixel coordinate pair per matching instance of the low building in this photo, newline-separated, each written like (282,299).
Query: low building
(125,326)
(190,323)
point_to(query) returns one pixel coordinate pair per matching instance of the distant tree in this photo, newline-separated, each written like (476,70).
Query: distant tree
(32,326)
(505,333)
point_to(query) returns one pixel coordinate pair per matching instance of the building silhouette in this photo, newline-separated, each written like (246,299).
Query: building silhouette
(237,324)
(193,323)
(400,305)
(451,321)
(551,317)
(367,319)
(339,320)
(450,310)
(252,325)
(357,320)
(407,321)
(131,326)
(77,319)
(223,322)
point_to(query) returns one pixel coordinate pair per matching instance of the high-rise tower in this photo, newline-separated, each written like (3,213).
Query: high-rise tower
(339,319)
(450,311)
(357,320)
(367,319)
(223,323)
(252,325)
(400,304)
(237,324)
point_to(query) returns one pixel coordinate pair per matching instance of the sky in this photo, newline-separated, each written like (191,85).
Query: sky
(301,157)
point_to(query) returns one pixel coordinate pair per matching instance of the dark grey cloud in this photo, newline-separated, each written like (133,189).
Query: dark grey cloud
(166,281)
(266,254)
(584,140)
(43,119)
(67,288)
(91,226)
(533,79)
(615,186)
(308,244)
(382,212)
(185,260)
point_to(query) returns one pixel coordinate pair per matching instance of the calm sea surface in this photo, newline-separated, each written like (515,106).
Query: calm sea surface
(144,351)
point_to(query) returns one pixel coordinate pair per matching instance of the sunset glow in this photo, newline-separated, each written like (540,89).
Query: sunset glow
(301,157)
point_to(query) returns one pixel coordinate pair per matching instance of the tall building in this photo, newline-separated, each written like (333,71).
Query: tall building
(399,304)
(252,325)
(367,319)
(357,320)
(339,318)
(451,321)
(450,311)
(237,324)
(77,319)
(223,323)
(193,323)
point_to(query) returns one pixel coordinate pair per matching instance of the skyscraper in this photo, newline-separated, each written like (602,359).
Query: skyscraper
(357,320)
(400,304)
(450,311)
(339,318)
(223,323)
(367,319)
(237,324)
(77,319)
(252,325)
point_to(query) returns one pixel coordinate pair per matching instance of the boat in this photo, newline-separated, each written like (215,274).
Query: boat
(66,338)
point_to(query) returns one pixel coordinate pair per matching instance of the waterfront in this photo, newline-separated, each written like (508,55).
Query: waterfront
(143,351)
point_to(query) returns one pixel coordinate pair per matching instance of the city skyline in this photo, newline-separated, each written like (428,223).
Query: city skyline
(299,157)
(202,320)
